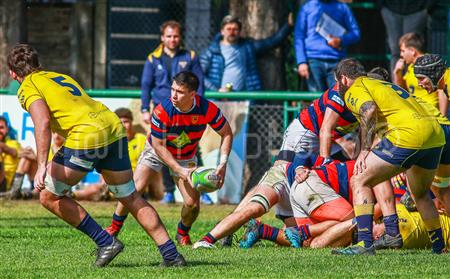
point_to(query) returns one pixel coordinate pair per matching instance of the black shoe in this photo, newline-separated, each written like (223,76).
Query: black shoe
(106,254)
(177,262)
(388,242)
(227,241)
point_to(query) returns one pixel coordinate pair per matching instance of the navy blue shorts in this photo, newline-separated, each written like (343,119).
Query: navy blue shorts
(445,157)
(405,157)
(113,157)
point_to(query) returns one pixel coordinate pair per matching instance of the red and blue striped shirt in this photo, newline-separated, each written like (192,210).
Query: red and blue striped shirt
(312,116)
(336,174)
(183,130)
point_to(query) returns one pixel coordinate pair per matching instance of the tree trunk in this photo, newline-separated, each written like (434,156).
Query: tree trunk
(12,31)
(261,19)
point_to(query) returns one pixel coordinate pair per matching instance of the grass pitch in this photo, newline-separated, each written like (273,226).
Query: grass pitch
(35,244)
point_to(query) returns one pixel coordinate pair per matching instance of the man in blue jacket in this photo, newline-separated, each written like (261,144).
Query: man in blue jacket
(167,60)
(229,62)
(317,56)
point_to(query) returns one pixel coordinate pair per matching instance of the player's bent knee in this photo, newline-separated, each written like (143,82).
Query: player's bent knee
(122,190)
(441,182)
(262,200)
(56,187)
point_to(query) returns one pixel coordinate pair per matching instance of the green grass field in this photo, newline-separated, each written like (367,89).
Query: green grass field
(35,244)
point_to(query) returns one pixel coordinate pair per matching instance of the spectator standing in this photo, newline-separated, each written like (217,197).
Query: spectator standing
(401,17)
(167,60)
(317,56)
(229,62)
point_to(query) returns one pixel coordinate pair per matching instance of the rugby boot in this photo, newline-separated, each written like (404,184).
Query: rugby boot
(179,261)
(293,236)
(227,241)
(388,242)
(203,244)
(357,249)
(169,198)
(251,234)
(106,254)
(183,240)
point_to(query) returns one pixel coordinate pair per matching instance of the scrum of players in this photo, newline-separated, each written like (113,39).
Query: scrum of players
(364,167)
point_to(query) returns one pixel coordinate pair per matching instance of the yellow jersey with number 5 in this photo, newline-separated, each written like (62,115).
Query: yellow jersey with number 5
(400,118)
(418,92)
(82,121)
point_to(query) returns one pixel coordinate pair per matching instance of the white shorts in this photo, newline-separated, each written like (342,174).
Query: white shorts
(309,195)
(150,159)
(297,138)
(276,179)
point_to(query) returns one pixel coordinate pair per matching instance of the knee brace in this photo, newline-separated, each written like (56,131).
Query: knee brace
(262,200)
(122,190)
(441,182)
(56,187)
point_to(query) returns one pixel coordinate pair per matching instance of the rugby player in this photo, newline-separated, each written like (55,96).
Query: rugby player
(411,48)
(431,71)
(95,139)
(320,128)
(411,140)
(177,127)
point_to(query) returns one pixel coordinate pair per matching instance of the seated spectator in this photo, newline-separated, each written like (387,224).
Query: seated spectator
(317,56)
(9,151)
(229,62)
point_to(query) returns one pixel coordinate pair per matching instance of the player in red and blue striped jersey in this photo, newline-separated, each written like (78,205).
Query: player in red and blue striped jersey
(177,126)
(320,128)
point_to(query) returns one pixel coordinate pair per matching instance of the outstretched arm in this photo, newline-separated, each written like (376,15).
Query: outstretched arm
(40,115)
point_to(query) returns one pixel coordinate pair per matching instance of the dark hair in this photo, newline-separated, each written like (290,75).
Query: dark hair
(230,19)
(23,60)
(188,79)
(2,118)
(349,67)
(170,23)
(413,40)
(431,66)
(124,113)
(379,73)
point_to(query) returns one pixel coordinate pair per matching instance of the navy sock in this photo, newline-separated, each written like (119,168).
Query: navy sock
(168,250)
(391,224)
(95,232)
(437,240)
(209,238)
(364,224)
(182,229)
(304,232)
(119,218)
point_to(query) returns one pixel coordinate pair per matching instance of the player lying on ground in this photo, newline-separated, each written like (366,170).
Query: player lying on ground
(95,138)
(321,197)
(379,105)
(177,127)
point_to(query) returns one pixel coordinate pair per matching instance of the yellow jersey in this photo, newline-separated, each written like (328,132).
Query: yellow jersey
(82,121)
(418,92)
(400,118)
(135,148)
(414,232)
(447,82)
(9,162)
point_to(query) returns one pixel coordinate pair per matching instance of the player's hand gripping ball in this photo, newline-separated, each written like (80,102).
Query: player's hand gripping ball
(204,179)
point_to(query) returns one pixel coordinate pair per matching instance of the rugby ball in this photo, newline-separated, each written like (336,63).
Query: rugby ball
(204,179)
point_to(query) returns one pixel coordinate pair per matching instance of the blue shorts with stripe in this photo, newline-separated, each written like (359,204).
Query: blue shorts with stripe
(113,157)
(405,157)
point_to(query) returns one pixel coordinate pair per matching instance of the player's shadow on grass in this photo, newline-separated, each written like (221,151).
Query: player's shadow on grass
(158,264)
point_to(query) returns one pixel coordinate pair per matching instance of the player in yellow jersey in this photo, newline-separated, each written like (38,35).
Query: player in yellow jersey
(413,229)
(431,70)
(411,48)
(410,139)
(95,139)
